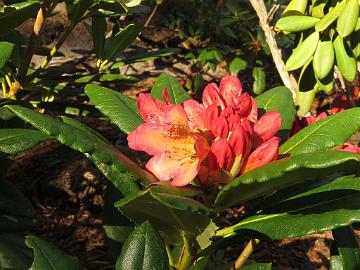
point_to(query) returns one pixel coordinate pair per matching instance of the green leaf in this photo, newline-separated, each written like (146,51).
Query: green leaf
(141,57)
(13,252)
(324,58)
(286,172)
(114,165)
(348,18)
(327,133)
(306,213)
(78,9)
(345,60)
(303,53)
(279,99)
(329,18)
(296,23)
(99,28)
(6,49)
(14,15)
(120,109)
(237,65)
(348,248)
(122,40)
(144,249)
(48,257)
(169,212)
(15,140)
(259,77)
(176,92)
(257,266)
(16,212)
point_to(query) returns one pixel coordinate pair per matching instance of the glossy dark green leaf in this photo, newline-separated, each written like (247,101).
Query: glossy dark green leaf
(144,249)
(285,172)
(348,248)
(114,165)
(327,207)
(6,49)
(14,15)
(16,212)
(122,40)
(176,92)
(170,213)
(279,99)
(106,78)
(327,133)
(99,28)
(149,55)
(49,257)
(120,109)
(78,9)
(13,252)
(15,140)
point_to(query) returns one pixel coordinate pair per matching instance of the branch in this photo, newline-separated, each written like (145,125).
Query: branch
(260,9)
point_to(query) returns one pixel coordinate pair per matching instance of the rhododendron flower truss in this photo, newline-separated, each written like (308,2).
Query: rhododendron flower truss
(212,141)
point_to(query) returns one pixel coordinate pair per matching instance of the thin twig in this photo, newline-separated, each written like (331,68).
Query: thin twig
(260,9)
(245,254)
(151,15)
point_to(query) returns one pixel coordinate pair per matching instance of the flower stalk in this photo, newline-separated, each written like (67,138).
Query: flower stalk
(245,254)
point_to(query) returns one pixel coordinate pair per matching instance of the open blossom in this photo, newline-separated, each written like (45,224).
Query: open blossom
(214,141)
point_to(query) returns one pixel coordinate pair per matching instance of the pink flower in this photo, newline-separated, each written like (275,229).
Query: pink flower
(166,135)
(214,141)
(348,147)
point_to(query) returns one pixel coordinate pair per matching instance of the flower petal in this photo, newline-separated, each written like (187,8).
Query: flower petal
(348,147)
(152,110)
(180,171)
(262,155)
(220,128)
(220,156)
(230,88)
(211,113)
(194,112)
(267,126)
(211,96)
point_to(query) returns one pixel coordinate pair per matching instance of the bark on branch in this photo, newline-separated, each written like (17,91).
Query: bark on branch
(260,9)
